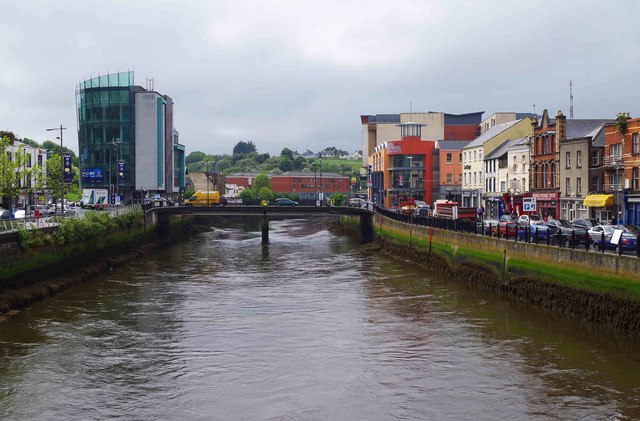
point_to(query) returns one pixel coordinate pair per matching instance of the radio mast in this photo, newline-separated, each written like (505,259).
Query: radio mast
(570,99)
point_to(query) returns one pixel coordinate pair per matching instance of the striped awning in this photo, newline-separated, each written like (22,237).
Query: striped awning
(598,200)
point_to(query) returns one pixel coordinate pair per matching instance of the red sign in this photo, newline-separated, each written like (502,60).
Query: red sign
(394,148)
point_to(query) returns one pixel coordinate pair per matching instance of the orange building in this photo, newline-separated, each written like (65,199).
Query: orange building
(450,169)
(403,168)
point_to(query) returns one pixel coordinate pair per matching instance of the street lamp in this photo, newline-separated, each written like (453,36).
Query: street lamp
(61,170)
(315,183)
(321,195)
(116,144)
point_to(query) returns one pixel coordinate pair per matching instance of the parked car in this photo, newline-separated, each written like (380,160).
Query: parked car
(586,223)
(530,219)
(489,225)
(566,229)
(65,211)
(628,240)
(283,201)
(23,213)
(538,232)
(422,209)
(4,214)
(44,210)
(357,202)
(507,226)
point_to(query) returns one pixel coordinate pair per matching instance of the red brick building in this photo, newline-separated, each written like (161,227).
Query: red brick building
(309,187)
(621,163)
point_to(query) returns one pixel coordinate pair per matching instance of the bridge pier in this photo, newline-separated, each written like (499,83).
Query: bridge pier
(366,229)
(265,228)
(163,228)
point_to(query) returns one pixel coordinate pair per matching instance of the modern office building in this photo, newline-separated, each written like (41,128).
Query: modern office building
(127,140)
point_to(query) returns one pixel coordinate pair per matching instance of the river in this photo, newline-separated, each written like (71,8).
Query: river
(310,328)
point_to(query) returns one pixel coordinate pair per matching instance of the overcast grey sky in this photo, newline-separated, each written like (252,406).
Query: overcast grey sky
(300,73)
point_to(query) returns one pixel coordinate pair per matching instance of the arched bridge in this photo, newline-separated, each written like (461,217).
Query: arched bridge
(162,215)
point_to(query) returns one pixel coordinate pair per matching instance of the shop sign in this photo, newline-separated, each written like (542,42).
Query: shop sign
(394,148)
(546,196)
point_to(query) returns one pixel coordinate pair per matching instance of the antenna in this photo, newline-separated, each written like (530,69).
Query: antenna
(534,110)
(570,99)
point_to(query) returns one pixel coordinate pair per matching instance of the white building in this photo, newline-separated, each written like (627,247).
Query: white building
(473,157)
(497,168)
(31,167)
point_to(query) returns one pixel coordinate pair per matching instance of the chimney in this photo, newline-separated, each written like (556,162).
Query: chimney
(561,127)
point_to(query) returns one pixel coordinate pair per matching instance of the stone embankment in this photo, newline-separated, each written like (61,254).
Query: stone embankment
(584,285)
(36,274)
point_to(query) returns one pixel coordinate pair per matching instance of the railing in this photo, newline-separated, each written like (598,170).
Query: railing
(613,161)
(612,188)
(30,223)
(509,232)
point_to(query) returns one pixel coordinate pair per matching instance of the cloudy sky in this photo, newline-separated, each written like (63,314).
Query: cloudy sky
(299,74)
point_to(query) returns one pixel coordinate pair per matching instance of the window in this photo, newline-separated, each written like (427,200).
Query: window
(460,157)
(449,158)
(449,178)
(475,155)
(634,176)
(475,178)
(615,151)
(579,159)
(503,186)
(594,158)
(568,186)
(579,187)
(634,142)
(568,160)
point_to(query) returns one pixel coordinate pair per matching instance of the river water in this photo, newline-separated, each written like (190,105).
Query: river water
(307,328)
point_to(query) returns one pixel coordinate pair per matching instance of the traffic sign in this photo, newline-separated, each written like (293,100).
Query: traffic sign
(529,204)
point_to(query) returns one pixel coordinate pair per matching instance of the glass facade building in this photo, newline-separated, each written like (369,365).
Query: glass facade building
(108,148)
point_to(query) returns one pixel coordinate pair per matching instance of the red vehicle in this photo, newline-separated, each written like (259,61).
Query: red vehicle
(507,227)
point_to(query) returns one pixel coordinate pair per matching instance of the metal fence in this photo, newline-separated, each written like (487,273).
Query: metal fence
(509,232)
(8,225)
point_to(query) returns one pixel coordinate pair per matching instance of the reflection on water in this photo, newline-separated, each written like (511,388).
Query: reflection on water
(307,327)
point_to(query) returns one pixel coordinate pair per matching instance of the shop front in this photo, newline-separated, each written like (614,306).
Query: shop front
(547,204)
(493,205)
(600,206)
(633,210)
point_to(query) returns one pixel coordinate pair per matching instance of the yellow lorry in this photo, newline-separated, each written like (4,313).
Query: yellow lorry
(205,198)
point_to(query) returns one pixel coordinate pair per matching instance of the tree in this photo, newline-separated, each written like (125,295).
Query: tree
(285,164)
(299,163)
(286,153)
(12,170)
(243,147)
(196,156)
(621,123)
(261,180)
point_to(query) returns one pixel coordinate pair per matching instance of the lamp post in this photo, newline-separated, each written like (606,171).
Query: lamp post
(116,144)
(321,195)
(315,183)
(61,171)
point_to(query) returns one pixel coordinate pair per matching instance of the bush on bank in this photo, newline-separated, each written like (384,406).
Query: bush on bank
(94,226)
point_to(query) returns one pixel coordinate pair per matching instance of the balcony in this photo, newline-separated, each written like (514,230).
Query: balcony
(613,161)
(612,188)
